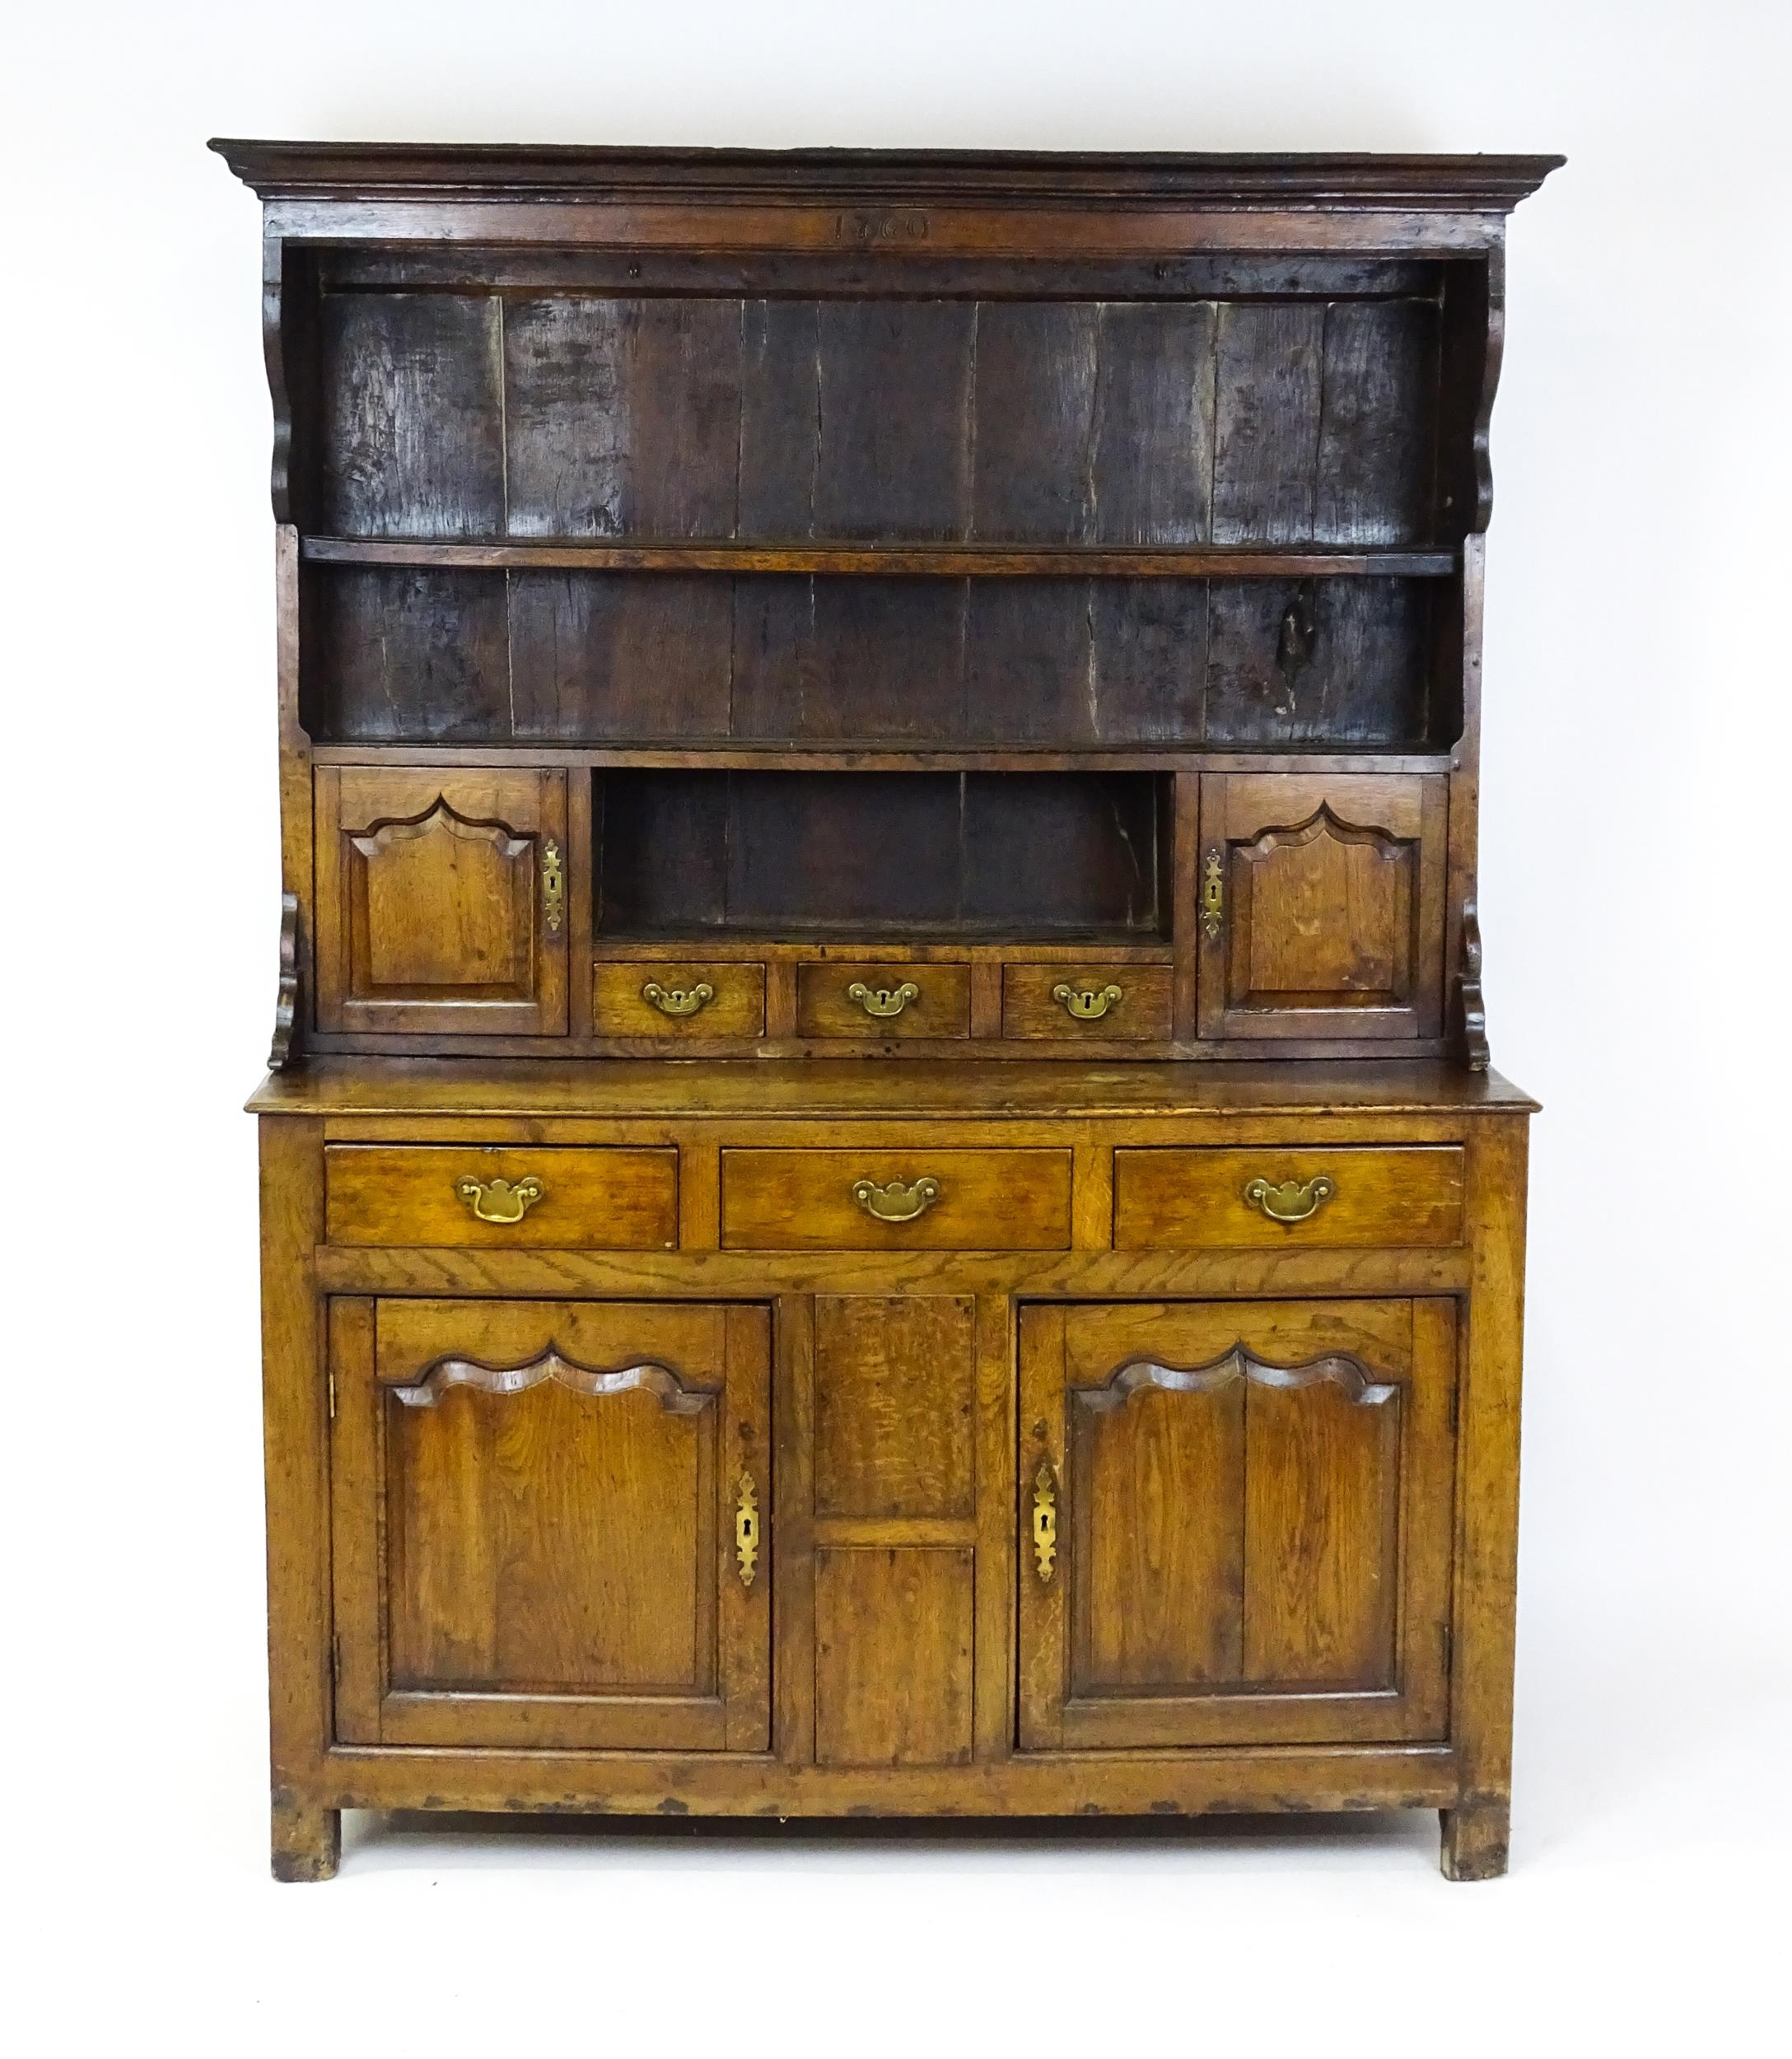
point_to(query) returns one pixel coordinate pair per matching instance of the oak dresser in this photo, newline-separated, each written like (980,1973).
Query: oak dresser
(881,1189)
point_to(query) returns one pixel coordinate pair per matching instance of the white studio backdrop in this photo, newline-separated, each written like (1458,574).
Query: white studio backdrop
(1636,925)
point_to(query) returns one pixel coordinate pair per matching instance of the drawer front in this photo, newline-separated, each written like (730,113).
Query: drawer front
(1127,1003)
(882,1000)
(883,1198)
(677,999)
(1268,1197)
(602,1199)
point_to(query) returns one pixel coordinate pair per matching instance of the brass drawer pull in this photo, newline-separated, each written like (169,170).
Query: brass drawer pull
(896,1202)
(1291,1201)
(678,1000)
(553,888)
(1044,1522)
(497,1200)
(1087,1004)
(882,1002)
(747,1530)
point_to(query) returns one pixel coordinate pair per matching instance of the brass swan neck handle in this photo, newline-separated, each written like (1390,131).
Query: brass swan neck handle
(897,1202)
(882,1002)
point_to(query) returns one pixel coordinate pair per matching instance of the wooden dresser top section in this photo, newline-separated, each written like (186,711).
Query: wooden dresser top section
(830,1088)
(950,203)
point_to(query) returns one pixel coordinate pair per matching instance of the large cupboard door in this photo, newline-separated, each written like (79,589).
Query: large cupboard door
(1236,1522)
(1322,905)
(552,1523)
(441,901)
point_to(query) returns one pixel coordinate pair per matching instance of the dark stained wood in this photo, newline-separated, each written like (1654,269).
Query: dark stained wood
(708,581)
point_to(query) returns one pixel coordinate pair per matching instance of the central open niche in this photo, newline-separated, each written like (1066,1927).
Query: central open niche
(921,854)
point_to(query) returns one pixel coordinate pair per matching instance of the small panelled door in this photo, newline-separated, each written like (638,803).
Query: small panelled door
(441,901)
(1322,905)
(1236,1522)
(552,1523)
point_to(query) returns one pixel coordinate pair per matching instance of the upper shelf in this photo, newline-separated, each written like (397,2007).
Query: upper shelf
(1199,560)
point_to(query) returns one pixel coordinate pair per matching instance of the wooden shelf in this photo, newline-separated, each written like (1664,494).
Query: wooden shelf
(955,561)
(881,754)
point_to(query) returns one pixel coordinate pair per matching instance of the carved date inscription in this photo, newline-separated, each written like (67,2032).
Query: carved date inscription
(864,225)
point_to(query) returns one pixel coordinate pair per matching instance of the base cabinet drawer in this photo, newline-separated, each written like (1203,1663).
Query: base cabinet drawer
(603,1198)
(1264,1196)
(881,1199)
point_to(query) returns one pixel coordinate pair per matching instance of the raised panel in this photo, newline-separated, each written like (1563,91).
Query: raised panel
(1321,1517)
(440,901)
(1251,1502)
(893,1655)
(1333,906)
(1158,1558)
(895,1395)
(535,1525)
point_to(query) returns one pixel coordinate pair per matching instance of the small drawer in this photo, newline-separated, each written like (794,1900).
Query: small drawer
(1088,1000)
(881,1198)
(883,1000)
(604,1199)
(1268,1196)
(679,999)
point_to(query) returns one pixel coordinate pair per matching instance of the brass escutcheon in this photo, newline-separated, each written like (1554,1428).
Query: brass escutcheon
(1044,1522)
(1213,895)
(882,1002)
(553,888)
(678,1000)
(747,1530)
(1291,1201)
(897,1202)
(497,1200)
(1087,1004)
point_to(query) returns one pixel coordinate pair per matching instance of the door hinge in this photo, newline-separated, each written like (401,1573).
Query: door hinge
(336,1662)
(1455,1411)
(330,1384)
(1447,1638)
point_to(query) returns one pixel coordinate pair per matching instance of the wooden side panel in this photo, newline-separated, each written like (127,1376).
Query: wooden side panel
(893,1655)
(895,1406)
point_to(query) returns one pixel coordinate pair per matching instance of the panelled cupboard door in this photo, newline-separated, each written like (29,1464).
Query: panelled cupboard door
(441,901)
(1321,904)
(1236,1522)
(552,1523)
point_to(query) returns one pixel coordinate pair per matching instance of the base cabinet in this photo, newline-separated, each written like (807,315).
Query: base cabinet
(773,1504)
